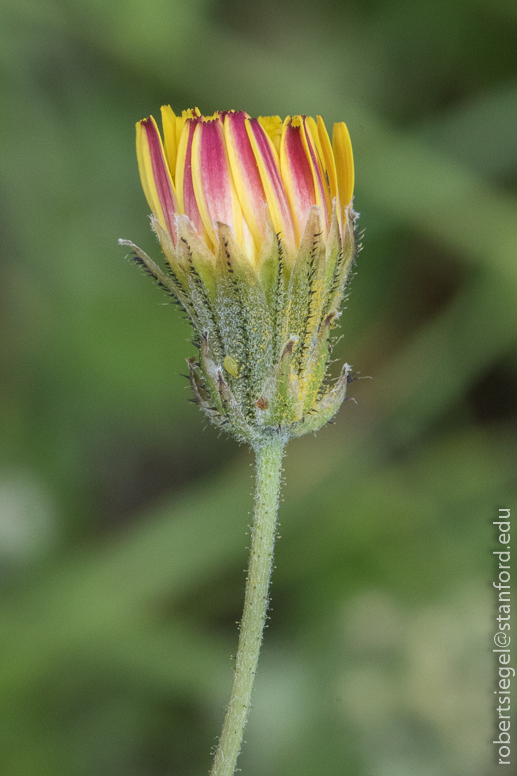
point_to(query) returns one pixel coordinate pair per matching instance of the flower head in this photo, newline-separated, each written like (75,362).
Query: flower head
(255,219)
(254,175)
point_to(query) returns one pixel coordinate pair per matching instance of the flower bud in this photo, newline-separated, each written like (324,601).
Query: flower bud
(255,219)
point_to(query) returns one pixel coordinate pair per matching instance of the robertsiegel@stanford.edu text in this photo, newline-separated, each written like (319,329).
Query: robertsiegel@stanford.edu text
(502,639)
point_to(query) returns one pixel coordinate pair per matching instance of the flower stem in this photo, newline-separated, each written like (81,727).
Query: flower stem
(267,488)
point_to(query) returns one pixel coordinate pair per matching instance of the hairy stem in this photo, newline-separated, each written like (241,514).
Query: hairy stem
(267,487)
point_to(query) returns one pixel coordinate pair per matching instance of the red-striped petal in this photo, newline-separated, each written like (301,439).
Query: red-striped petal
(184,184)
(246,175)
(213,185)
(269,169)
(313,154)
(297,173)
(159,182)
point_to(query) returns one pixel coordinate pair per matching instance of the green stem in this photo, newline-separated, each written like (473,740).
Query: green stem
(256,600)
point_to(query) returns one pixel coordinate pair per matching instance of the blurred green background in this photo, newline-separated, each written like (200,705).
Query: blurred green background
(123,519)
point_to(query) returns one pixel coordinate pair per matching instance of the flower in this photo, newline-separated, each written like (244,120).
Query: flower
(251,174)
(255,219)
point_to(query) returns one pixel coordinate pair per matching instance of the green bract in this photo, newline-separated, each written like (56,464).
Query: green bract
(263,333)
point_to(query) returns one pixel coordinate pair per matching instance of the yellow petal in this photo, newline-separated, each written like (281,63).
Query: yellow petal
(179,173)
(329,162)
(344,162)
(144,166)
(169,136)
(272,125)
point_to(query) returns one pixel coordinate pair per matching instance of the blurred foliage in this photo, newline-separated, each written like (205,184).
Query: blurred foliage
(123,521)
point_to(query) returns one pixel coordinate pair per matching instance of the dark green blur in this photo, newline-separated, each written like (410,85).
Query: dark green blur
(123,518)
